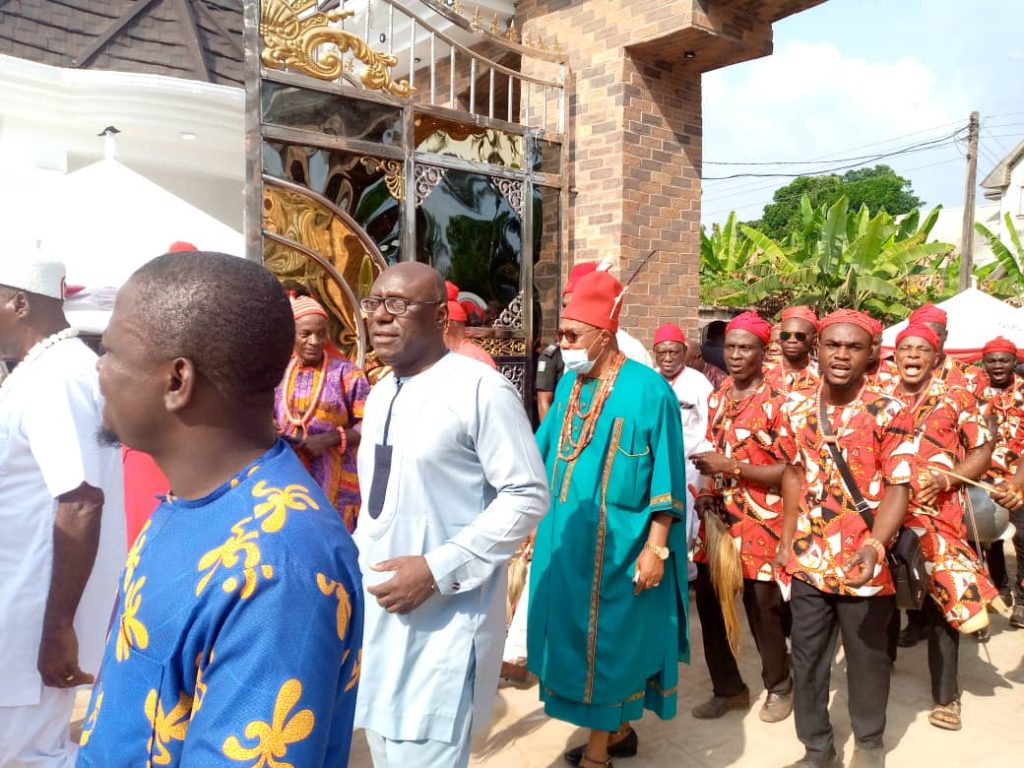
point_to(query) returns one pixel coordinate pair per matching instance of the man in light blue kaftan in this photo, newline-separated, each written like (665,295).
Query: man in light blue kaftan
(607,620)
(451,484)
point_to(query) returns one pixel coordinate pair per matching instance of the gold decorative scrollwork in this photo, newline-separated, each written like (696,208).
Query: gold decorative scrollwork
(497,347)
(394,179)
(291,38)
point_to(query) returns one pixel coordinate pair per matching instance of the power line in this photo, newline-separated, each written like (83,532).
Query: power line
(729,191)
(750,189)
(796,196)
(863,161)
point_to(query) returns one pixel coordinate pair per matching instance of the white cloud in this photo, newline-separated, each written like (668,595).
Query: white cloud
(807,101)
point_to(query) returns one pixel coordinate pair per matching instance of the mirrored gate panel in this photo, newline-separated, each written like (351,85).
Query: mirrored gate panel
(386,130)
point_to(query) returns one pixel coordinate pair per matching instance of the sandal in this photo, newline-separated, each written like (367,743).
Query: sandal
(946,716)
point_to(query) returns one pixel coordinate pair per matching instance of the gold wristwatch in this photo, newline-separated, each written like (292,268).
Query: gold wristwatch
(661,552)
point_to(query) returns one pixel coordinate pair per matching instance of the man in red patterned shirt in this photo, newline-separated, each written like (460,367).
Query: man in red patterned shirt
(742,483)
(796,369)
(948,369)
(841,583)
(1005,399)
(952,435)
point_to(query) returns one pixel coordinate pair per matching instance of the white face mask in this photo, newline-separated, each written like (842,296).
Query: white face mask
(578,360)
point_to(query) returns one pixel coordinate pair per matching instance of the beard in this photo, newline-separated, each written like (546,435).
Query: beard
(107,438)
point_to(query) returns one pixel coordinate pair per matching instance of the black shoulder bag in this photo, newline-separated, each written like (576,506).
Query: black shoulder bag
(906,561)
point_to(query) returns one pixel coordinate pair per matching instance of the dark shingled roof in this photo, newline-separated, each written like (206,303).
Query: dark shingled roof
(193,39)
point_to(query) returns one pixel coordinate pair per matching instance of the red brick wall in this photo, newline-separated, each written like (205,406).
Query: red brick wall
(635,131)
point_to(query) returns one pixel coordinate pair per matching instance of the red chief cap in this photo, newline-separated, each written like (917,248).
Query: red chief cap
(457,312)
(929,313)
(752,322)
(596,301)
(179,246)
(669,332)
(876,327)
(578,272)
(452,290)
(921,331)
(999,344)
(304,306)
(800,313)
(851,316)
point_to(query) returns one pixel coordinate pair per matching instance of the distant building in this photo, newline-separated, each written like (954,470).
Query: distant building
(1004,185)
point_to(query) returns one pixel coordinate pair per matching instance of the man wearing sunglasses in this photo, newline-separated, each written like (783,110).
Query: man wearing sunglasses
(451,483)
(796,370)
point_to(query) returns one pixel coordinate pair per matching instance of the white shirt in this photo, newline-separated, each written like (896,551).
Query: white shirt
(692,389)
(633,349)
(49,415)
(467,485)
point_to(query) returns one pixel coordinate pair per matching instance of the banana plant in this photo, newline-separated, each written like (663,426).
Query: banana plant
(1003,278)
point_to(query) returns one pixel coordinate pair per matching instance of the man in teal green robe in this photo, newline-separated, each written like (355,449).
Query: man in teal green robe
(608,589)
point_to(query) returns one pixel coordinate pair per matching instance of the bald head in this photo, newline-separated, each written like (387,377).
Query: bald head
(411,340)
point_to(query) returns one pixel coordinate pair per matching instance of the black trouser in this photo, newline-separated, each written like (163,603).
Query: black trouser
(768,615)
(943,654)
(818,618)
(995,555)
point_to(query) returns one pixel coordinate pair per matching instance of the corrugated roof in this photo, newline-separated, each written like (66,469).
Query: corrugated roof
(191,39)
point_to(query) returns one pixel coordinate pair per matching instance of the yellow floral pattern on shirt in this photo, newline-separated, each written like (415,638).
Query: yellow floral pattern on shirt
(279,501)
(90,722)
(131,631)
(330,587)
(273,739)
(201,685)
(167,726)
(242,546)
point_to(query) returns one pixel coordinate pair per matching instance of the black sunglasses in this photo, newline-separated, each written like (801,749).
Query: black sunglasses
(798,335)
(573,336)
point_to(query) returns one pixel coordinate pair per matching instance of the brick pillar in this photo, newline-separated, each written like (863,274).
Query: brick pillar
(635,131)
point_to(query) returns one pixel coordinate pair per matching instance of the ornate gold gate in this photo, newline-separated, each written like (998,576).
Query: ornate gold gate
(380,131)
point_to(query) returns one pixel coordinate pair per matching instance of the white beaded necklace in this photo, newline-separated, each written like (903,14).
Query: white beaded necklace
(37,351)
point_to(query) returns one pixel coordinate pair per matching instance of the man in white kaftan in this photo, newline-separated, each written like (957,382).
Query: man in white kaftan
(464,487)
(53,475)
(692,389)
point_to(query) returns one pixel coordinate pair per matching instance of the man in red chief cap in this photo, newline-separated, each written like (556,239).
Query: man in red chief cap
(797,336)
(834,553)
(692,388)
(549,362)
(1005,398)
(949,370)
(608,582)
(743,478)
(455,329)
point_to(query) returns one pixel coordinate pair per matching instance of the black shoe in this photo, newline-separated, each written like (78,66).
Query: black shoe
(626,747)
(716,706)
(910,636)
(830,761)
(1017,618)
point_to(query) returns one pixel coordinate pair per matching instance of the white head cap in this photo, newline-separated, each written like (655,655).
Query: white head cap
(25,267)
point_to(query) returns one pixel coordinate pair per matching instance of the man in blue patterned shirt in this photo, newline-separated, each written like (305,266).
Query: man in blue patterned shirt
(236,640)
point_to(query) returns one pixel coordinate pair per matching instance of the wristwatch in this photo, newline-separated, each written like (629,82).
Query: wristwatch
(661,552)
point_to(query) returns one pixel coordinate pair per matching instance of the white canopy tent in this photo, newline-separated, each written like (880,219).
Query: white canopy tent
(975,318)
(113,220)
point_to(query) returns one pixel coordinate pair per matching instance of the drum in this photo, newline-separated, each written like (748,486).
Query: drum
(990,518)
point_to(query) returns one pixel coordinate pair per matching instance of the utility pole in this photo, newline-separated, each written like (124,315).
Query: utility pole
(967,233)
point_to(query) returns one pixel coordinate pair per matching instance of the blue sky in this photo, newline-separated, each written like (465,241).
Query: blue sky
(857,77)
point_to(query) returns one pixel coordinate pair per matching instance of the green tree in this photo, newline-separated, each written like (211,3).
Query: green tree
(879,188)
(834,259)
